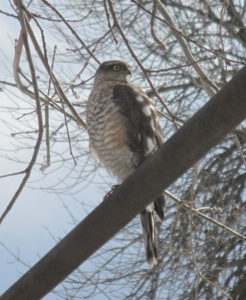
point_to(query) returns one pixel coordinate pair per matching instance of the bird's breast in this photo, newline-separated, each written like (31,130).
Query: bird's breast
(108,138)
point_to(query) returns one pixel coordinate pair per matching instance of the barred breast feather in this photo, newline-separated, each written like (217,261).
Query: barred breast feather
(108,137)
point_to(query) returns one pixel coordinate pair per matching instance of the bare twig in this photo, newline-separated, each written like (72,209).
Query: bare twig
(68,136)
(24,38)
(209,86)
(47,122)
(71,29)
(13,174)
(189,38)
(15,256)
(197,268)
(179,66)
(108,20)
(239,146)
(7,83)
(152,24)
(199,214)
(53,77)
(23,88)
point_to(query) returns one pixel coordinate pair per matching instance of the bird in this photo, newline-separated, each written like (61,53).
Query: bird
(124,129)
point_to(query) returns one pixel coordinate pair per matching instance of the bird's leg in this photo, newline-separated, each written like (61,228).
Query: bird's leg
(112,190)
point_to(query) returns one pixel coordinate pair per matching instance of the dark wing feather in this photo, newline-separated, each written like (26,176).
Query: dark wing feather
(125,98)
(138,125)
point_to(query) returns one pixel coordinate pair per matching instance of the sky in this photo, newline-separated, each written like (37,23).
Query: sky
(38,218)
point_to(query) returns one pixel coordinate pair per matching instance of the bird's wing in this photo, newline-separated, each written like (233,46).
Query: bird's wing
(141,120)
(143,136)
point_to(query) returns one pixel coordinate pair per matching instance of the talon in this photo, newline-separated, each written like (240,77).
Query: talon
(109,193)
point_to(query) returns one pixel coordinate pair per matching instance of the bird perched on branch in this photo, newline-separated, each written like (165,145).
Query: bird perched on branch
(123,130)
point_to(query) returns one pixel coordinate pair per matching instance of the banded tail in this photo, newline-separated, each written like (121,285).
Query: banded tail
(149,228)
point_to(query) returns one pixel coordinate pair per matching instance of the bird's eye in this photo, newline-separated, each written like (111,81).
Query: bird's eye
(116,68)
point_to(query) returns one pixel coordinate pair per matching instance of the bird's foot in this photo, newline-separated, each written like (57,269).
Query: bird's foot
(110,193)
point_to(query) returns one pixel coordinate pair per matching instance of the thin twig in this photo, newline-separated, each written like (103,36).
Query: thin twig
(71,29)
(18,51)
(68,136)
(209,86)
(189,38)
(13,174)
(239,146)
(24,89)
(179,66)
(199,214)
(47,127)
(108,20)
(152,24)
(24,38)
(53,77)
(7,83)
(197,268)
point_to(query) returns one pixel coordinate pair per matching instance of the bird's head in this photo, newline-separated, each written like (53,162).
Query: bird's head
(113,70)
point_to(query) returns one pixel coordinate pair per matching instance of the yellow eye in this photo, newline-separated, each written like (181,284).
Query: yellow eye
(116,68)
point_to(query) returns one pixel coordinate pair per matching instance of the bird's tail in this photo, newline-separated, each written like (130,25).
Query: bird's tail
(149,228)
(149,235)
